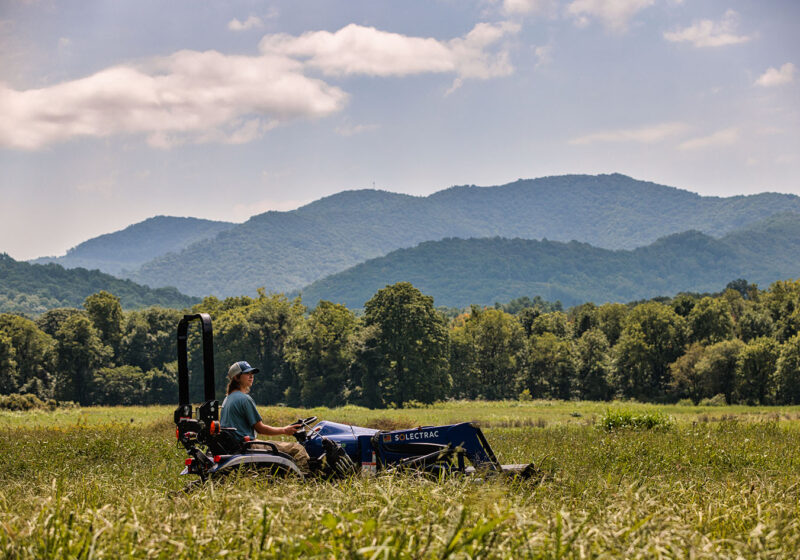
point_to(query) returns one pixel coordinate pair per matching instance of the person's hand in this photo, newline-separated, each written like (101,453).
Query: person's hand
(290,430)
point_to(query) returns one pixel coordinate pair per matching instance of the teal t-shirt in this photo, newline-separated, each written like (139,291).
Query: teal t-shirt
(239,411)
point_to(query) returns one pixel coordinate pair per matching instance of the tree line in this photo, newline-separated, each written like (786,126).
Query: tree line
(741,344)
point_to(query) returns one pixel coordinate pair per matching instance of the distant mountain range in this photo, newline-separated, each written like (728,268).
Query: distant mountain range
(128,249)
(35,288)
(460,272)
(284,251)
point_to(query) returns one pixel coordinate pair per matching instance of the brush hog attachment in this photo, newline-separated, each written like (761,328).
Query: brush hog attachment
(433,449)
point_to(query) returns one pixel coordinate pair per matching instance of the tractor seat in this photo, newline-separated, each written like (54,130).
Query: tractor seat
(226,442)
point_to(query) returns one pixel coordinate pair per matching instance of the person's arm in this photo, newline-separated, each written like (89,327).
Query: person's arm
(266,430)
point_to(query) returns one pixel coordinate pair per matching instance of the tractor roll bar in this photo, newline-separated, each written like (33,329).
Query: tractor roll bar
(208,358)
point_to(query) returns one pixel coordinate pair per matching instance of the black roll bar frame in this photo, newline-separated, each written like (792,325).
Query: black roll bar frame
(184,409)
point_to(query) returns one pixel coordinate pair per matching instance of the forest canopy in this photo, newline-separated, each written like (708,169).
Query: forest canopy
(738,346)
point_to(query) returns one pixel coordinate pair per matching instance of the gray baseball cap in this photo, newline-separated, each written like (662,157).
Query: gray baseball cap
(240,367)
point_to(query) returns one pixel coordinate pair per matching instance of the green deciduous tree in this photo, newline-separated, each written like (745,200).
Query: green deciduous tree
(555,322)
(463,369)
(487,350)
(162,384)
(255,330)
(105,312)
(710,321)
(80,354)
(756,381)
(148,341)
(123,385)
(592,365)
(273,318)
(526,318)
(653,338)
(550,369)
(8,367)
(736,303)
(783,302)
(322,350)
(411,344)
(611,320)
(789,371)
(51,320)
(583,317)
(687,382)
(717,368)
(367,369)
(236,339)
(632,374)
(683,304)
(34,354)
(745,289)
(754,321)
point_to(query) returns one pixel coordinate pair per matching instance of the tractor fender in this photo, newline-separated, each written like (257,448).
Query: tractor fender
(263,461)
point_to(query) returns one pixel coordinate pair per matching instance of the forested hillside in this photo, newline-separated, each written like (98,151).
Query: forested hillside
(287,250)
(34,288)
(459,272)
(131,247)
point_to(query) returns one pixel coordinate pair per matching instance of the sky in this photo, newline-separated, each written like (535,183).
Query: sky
(112,112)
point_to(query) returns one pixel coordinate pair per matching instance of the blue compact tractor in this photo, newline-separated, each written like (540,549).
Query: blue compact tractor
(336,450)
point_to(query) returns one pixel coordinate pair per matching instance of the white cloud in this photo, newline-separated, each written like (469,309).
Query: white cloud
(777,76)
(530,6)
(237,132)
(707,33)
(355,49)
(645,135)
(614,14)
(726,137)
(189,96)
(250,23)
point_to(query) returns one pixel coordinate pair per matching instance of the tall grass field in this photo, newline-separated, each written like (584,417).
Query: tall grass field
(618,480)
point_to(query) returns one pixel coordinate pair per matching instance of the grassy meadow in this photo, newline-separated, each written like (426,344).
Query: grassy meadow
(713,482)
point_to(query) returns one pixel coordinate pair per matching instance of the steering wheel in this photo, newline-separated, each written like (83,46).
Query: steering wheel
(305,425)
